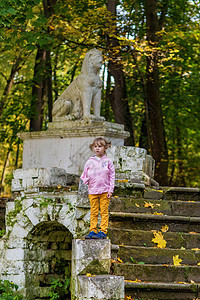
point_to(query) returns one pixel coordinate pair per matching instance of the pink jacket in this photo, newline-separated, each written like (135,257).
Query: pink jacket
(99,173)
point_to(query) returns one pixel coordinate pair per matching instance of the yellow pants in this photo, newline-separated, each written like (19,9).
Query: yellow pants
(97,201)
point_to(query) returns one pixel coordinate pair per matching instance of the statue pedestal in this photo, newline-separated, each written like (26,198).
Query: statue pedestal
(66,143)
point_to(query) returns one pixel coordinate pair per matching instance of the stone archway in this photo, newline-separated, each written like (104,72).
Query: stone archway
(47,257)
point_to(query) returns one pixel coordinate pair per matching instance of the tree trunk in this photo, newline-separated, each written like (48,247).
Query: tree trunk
(3,175)
(42,79)
(49,84)
(153,104)
(16,66)
(119,101)
(38,92)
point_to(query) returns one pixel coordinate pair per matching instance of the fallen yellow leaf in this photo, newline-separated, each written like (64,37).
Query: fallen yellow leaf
(165,228)
(197,249)
(149,204)
(90,275)
(198,264)
(124,180)
(137,205)
(136,280)
(58,186)
(158,239)
(177,260)
(160,191)
(156,213)
(192,281)
(119,260)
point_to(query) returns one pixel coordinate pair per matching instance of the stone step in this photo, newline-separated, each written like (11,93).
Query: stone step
(161,291)
(181,193)
(151,206)
(175,240)
(152,255)
(139,221)
(157,273)
(172,193)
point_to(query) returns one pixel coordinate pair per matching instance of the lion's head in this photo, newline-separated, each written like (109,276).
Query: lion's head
(92,62)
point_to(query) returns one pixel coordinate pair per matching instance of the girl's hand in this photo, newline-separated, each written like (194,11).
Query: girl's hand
(109,195)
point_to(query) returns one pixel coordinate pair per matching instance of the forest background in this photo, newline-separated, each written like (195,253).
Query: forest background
(150,74)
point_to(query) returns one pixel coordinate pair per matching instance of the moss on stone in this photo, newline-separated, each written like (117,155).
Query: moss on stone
(11,216)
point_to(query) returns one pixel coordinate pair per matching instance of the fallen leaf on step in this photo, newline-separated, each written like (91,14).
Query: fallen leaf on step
(58,186)
(193,232)
(119,260)
(90,275)
(165,228)
(198,264)
(177,260)
(128,298)
(160,191)
(192,281)
(158,239)
(156,213)
(197,249)
(149,204)
(116,196)
(136,280)
(124,180)
(157,204)
(137,205)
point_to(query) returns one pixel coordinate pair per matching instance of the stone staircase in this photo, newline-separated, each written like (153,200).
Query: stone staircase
(172,215)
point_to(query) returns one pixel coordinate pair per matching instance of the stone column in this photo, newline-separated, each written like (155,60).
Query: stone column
(90,272)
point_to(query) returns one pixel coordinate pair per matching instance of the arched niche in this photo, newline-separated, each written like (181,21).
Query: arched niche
(47,258)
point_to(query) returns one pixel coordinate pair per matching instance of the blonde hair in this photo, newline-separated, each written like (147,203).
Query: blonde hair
(102,142)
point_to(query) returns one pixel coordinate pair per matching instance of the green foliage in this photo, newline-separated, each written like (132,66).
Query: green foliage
(8,291)
(59,289)
(2,232)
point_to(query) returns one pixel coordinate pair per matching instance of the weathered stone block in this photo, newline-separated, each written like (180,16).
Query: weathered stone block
(104,287)
(9,207)
(14,254)
(34,214)
(15,242)
(41,177)
(132,165)
(91,256)
(12,267)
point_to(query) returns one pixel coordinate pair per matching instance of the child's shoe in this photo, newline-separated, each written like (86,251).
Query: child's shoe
(101,235)
(92,235)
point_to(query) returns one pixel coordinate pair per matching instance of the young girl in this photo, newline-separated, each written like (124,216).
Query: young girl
(99,174)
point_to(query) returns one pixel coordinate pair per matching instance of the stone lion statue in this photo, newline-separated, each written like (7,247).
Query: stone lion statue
(83,93)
